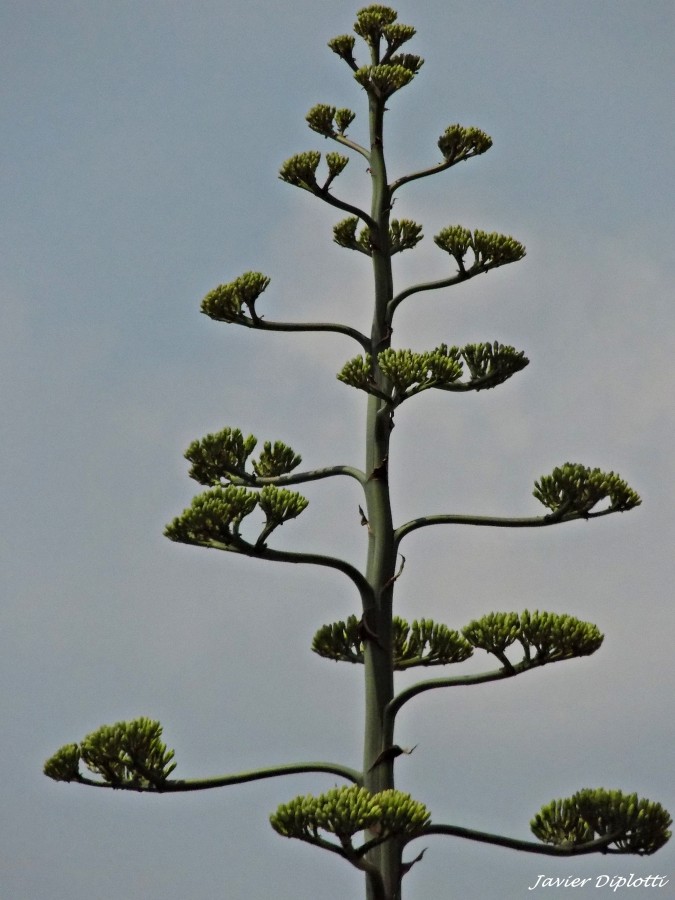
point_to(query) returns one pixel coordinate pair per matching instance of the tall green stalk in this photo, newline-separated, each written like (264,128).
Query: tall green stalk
(369,823)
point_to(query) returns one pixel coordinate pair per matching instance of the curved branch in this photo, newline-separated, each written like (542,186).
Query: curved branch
(246,479)
(239,545)
(322,194)
(496,521)
(395,704)
(597,846)
(426,286)
(335,327)
(341,139)
(423,173)
(204,784)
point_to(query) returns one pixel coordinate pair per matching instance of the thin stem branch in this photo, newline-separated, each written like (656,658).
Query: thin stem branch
(335,327)
(345,141)
(427,286)
(245,478)
(496,521)
(423,173)
(599,845)
(203,784)
(395,704)
(315,559)
(323,194)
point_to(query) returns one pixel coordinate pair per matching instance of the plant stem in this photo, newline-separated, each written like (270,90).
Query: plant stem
(381,565)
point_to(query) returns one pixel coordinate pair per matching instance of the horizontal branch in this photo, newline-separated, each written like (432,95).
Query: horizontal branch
(324,195)
(239,545)
(423,173)
(597,846)
(495,521)
(426,286)
(431,684)
(246,479)
(347,142)
(335,327)
(204,784)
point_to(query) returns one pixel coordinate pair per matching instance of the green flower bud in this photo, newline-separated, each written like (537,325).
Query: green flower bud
(280,505)
(344,234)
(213,516)
(492,364)
(224,303)
(358,373)
(300,170)
(494,632)
(404,234)
(577,489)
(277,459)
(64,765)
(216,456)
(458,143)
(643,825)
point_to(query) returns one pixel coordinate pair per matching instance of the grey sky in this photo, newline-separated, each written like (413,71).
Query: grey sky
(141,144)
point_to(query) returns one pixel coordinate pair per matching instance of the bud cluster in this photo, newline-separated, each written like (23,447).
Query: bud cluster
(493,363)
(458,143)
(410,372)
(384,80)
(344,234)
(280,505)
(325,119)
(490,250)
(404,234)
(224,303)
(300,170)
(577,489)
(346,811)
(553,636)
(642,826)
(216,515)
(127,754)
(422,643)
(223,457)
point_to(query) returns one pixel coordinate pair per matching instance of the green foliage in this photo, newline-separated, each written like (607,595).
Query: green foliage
(493,633)
(552,636)
(641,826)
(223,457)
(384,80)
(489,250)
(224,303)
(344,234)
(343,45)
(411,372)
(492,364)
(573,488)
(280,505)
(276,459)
(458,143)
(557,636)
(127,754)
(324,119)
(64,765)
(346,811)
(213,516)
(423,643)
(358,373)
(403,235)
(300,170)
(219,456)
(371,21)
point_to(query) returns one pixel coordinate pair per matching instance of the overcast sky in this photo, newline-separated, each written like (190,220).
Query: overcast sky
(141,145)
